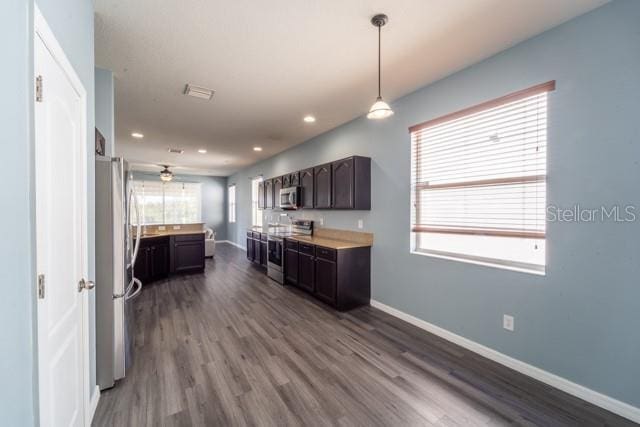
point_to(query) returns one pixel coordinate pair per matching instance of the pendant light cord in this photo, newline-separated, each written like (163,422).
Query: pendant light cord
(379,61)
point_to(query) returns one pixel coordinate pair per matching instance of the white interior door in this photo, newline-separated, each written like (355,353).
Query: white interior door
(60,152)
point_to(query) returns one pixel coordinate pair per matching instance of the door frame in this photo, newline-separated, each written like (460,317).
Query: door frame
(43,33)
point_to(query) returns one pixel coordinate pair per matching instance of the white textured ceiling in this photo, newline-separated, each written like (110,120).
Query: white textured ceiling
(272,62)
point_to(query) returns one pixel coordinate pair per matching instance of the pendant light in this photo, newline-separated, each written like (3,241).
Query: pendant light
(166,175)
(379,109)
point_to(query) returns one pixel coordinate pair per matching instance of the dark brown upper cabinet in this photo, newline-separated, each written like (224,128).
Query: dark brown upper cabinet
(342,184)
(351,183)
(268,194)
(294,179)
(322,191)
(277,186)
(306,182)
(261,195)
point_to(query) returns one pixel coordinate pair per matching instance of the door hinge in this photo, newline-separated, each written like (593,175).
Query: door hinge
(40,286)
(39,89)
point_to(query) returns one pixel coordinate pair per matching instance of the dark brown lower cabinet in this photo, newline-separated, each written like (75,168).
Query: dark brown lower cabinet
(339,277)
(257,247)
(306,272)
(263,252)
(291,261)
(249,248)
(188,253)
(326,280)
(142,269)
(152,262)
(160,256)
(159,260)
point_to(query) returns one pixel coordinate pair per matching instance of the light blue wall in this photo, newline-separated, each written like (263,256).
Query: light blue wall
(214,198)
(72,23)
(105,108)
(17,245)
(582,320)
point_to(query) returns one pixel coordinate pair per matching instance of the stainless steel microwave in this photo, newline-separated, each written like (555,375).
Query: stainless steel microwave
(290,197)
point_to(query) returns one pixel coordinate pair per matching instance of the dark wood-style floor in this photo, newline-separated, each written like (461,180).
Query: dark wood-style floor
(231,347)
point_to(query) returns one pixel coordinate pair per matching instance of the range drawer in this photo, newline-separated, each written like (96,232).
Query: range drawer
(291,244)
(306,248)
(189,237)
(326,253)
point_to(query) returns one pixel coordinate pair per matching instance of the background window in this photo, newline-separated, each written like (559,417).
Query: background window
(168,202)
(232,203)
(256,212)
(479,182)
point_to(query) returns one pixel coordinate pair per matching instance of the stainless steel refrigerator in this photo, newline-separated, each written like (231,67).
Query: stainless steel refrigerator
(116,286)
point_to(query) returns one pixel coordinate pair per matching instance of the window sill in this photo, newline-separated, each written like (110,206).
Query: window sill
(462,258)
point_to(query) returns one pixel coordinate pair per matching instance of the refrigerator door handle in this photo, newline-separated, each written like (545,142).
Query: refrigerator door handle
(138,228)
(135,293)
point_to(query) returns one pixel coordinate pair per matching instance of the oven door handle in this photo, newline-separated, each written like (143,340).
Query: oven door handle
(292,199)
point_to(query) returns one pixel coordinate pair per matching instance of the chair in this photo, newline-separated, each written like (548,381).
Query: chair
(209,243)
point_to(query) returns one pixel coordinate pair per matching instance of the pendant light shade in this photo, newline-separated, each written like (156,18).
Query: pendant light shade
(380,109)
(166,175)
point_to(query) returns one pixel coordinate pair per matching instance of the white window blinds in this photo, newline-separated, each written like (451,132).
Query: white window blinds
(232,203)
(256,212)
(482,172)
(182,202)
(168,203)
(150,201)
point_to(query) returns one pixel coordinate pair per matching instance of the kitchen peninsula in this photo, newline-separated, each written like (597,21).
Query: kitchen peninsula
(170,249)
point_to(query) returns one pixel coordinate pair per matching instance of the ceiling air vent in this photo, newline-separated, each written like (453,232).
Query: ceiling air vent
(198,92)
(175,150)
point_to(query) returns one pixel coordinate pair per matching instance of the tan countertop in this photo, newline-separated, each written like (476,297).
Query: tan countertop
(169,233)
(330,243)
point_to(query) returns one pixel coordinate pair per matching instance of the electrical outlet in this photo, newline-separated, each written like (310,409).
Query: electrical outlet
(161,228)
(321,221)
(508,322)
(360,223)
(176,227)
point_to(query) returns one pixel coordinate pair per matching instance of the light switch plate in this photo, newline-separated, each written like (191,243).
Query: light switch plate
(176,227)
(508,322)
(161,228)
(360,224)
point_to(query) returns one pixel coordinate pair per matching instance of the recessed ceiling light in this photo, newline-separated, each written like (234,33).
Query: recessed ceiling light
(202,151)
(175,150)
(198,92)
(309,119)
(137,135)
(257,148)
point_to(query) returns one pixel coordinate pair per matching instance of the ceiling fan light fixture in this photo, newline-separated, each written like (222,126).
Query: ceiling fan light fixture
(166,175)
(380,109)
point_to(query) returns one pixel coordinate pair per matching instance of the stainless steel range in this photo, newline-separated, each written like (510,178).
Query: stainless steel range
(275,244)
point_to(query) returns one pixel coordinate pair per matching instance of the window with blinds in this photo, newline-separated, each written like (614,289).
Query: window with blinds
(182,202)
(256,212)
(479,182)
(232,203)
(168,202)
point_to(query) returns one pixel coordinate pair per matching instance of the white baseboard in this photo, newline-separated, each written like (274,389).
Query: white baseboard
(232,243)
(616,406)
(93,405)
